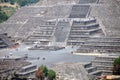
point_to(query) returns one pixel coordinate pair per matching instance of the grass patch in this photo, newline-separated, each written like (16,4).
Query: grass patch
(8,10)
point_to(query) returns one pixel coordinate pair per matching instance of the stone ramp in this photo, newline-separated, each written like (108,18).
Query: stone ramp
(62,31)
(79,11)
(87,1)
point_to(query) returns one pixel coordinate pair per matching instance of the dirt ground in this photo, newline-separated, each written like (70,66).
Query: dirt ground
(9,5)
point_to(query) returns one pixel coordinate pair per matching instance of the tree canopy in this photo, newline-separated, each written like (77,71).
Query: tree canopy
(44,72)
(117,61)
(116,66)
(41,72)
(3,16)
(20,2)
(51,74)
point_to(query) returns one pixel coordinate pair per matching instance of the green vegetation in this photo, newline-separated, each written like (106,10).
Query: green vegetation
(51,75)
(116,66)
(20,2)
(3,16)
(43,72)
(117,61)
(5,13)
(7,9)
(26,2)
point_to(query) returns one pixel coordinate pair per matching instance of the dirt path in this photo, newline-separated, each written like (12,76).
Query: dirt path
(9,5)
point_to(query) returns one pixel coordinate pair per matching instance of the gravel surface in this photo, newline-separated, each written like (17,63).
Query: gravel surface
(108,14)
(70,71)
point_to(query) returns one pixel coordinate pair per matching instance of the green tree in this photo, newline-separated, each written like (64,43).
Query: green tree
(3,16)
(2,0)
(12,2)
(26,2)
(42,72)
(6,0)
(116,66)
(51,75)
(0,8)
(45,70)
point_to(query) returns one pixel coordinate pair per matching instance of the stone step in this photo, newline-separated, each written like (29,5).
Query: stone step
(84,22)
(91,69)
(97,72)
